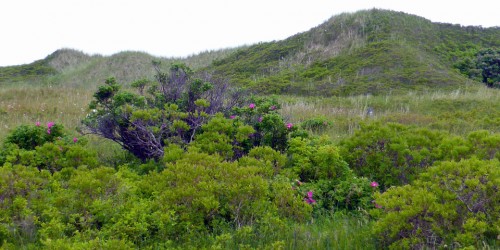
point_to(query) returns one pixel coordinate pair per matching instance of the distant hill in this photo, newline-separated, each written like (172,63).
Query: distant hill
(367,52)
(74,68)
(372,51)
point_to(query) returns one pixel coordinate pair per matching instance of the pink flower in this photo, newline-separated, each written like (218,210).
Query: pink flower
(273,107)
(75,139)
(374,184)
(309,198)
(37,124)
(50,124)
(232,117)
(289,125)
(260,119)
(48,131)
(251,106)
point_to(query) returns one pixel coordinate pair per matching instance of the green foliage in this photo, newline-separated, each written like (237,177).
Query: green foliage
(46,148)
(391,154)
(483,65)
(26,72)
(29,136)
(323,172)
(316,124)
(372,51)
(453,204)
(172,110)
(395,154)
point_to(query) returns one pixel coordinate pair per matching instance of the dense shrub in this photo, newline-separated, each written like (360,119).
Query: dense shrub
(392,154)
(325,179)
(46,148)
(172,110)
(316,124)
(453,204)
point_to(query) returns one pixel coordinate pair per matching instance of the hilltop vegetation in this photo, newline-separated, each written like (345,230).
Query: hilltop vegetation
(367,52)
(75,69)
(374,51)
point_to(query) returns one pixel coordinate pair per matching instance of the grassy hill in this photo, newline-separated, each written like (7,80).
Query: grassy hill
(372,51)
(72,68)
(367,52)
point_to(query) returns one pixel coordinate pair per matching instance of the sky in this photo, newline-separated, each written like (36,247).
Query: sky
(32,29)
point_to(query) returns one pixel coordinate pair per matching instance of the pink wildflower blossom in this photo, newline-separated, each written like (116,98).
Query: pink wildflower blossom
(75,139)
(309,198)
(289,125)
(232,117)
(374,184)
(50,124)
(37,124)
(273,107)
(252,105)
(48,131)
(260,119)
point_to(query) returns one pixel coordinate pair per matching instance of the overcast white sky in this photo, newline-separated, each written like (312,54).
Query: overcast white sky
(32,29)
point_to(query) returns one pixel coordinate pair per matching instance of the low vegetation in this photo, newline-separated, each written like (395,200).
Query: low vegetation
(403,155)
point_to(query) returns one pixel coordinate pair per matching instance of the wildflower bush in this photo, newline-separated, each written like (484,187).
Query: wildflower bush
(171,110)
(324,179)
(453,204)
(45,147)
(177,108)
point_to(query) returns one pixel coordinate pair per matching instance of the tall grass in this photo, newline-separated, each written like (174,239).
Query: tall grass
(458,111)
(28,104)
(328,232)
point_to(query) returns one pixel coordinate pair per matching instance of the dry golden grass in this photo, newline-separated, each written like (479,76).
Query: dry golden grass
(27,105)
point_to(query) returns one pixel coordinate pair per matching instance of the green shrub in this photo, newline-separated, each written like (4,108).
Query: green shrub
(172,110)
(30,136)
(46,148)
(317,124)
(391,154)
(326,182)
(453,204)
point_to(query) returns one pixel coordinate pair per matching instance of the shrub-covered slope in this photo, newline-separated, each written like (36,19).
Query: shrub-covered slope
(372,51)
(367,52)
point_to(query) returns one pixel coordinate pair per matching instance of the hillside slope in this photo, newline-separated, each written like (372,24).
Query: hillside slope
(367,52)
(372,51)
(72,68)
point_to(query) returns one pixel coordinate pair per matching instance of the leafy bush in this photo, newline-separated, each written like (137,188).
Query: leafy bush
(483,65)
(392,154)
(46,148)
(453,204)
(172,110)
(29,137)
(325,178)
(317,124)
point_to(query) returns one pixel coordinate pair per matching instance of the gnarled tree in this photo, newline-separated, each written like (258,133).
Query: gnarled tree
(171,110)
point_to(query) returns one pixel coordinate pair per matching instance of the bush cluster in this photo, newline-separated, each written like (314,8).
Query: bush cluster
(215,170)
(395,154)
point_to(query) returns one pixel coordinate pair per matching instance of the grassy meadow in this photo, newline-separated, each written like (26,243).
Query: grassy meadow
(459,111)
